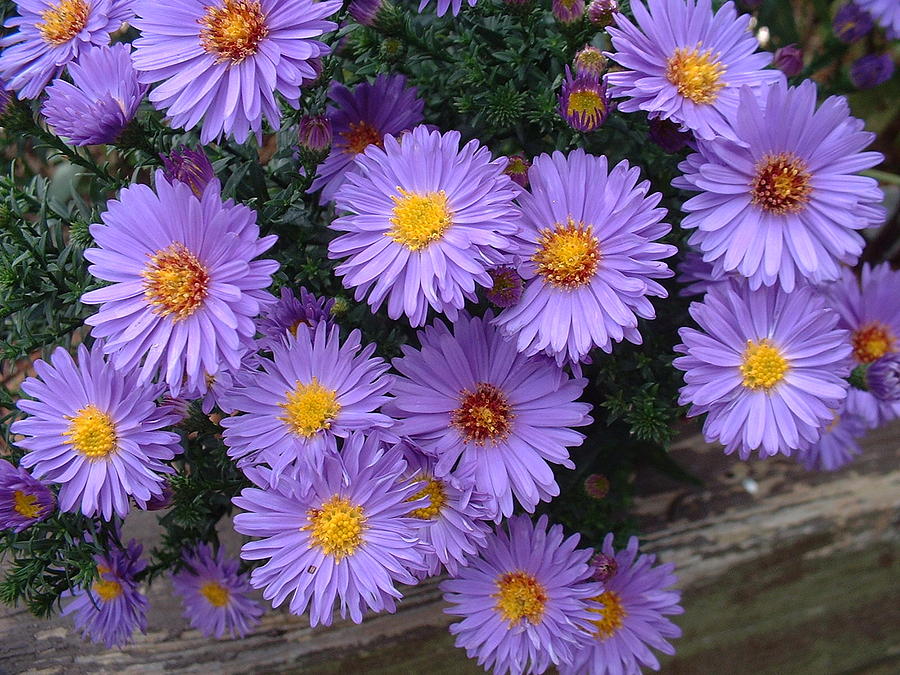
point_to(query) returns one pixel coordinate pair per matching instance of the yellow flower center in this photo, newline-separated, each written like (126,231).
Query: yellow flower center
(483,415)
(361,136)
(520,597)
(233,31)
(697,75)
(781,184)
(763,365)
(63,21)
(434,490)
(568,255)
(310,408)
(106,589)
(588,103)
(92,433)
(419,220)
(26,505)
(611,616)
(175,282)
(215,593)
(337,527)
(872,341)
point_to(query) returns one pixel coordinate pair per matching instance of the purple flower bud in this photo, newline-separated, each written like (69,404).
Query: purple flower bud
(789,60)
(851,23)
(883,378)
(568,11)
(583,102)
(667,135)
(315,133)
(189,166)
(605,567)
(590,61)
(316,63)
(365,11)
(517,169)
(871,70)
(507,288)
(601,12)
(596,486)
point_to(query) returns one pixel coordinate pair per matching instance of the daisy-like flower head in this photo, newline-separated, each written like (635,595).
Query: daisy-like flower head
(215,596)
(869,310)
(313,390)
(767,366)
(185,283)
(488,413)
(346,535)
(786,204)
(426,219)
(102,100)
(188,166)
(453,519)
(590,257)
(886,13)
(634,605)
(360,118)
(525,600)
(112,608)
(223,61)
(686,64)
(871,70)
(852,23)
(444,5)
(883,378)
(583,101)
(51,33)
(282,318)
(24,500)
(838,445)
(97,431)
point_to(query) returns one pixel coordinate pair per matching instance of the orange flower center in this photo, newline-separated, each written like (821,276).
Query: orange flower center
(63,21)
(483,415)
(360,137)
(612,616)
(434,490)
(92,433)
(781,184)
(107,589)
(567,255)
(234,30)
(215,593)
(26,505)
(696,75)
(175,282)
(337,527)
(520,597)
(763,365)
(872,341)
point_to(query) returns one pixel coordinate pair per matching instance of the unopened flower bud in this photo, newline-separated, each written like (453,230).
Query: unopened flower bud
(590,61)
(191,167)
(883,378)
(604,566)
(789,60)
(601,13)
(871,70)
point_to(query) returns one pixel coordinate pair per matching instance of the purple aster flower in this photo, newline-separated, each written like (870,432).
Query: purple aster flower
(24,500)
(191,167)
(886,13)
(838,445)
(425,220)
(767,366)
(453,519)
(883,378)
(589,60)
(361,118)
(313,390)
(517,168)
(444,5)
(507,288)
(635,603)
(161,501)
(590,256)
(852,23)
(789,60)
(186,285)
(51,33)
(787,202)
(282,318)
(216,598)
(686,64)
(112,608)
(583,101)
(97,431)
(525,600)
(698,276)
(224,60)
(485,411)
(667,135)
(601,13)
(568,11)
(102,101)
(868,71)
(346,535)
(868,308)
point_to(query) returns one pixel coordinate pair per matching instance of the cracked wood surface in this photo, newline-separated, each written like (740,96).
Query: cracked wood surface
(783,572)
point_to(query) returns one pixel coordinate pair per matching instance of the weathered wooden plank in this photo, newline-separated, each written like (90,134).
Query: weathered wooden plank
(794,575)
